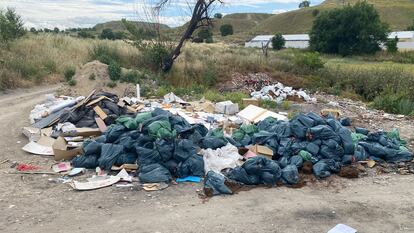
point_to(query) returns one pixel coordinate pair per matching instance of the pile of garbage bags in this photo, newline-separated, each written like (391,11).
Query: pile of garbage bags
(279,92)
(84,116)
(166,146)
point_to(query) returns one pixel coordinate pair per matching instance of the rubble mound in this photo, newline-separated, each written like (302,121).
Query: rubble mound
(94,75)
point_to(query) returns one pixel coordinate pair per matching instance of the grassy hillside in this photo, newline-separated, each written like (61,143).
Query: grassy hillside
(118,26)
(397,13)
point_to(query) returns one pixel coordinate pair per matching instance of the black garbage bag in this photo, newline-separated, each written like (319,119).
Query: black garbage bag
(330,149)
(193,166)
(165,148)
(92,148)
(195,133)
(172,166)
(127,141)
(346,138)
(300,124)
(296,160)
(154,173)
(268,170)
(101,139)
(348,159)
(127,158)
(361,131)
(233,142)
(267,123)
(323,132)
(88,162)
(374,149)
(114,132)
(298,146)
(285,148)
(334,124)
(282,130)
(179,124)
(184,149)
(346,121)
(397,156)
(290,174)
(239,174)
(312,148)
(147,154)
(161,112)
(360,153)
(143,140)
(109,155)
(213,142)
(321,169)
(283,161)
(215,182)
(318,120)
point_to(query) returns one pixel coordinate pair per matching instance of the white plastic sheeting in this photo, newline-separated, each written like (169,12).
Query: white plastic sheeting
(279,93)
(217,160)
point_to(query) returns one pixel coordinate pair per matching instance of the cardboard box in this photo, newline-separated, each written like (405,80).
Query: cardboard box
(247,102)
(85,132)
(62,151)
(227,107)
(256,114)
(262,150)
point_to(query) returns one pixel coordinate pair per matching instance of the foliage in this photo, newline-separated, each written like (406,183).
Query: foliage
(349,30)
(278,42)
(218,15)
(309,60)
(154,53)
(209,40)
(394,103)
(205,34)
(69,73)
(133,76)
(139,34)
(315,12)
(104,54)
(11,25)
(56,30)
(226,29)
(304,4)
(107,34)
(114,70)
(392,45)
(72,82)
(112,84)
(85,34)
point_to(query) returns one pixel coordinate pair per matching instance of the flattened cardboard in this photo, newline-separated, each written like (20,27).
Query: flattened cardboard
(262,150)
(91,185)
(46,141)
(62,151)
(37,149)
(256,114)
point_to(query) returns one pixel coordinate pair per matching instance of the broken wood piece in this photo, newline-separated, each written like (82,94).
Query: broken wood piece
(101,124)
(98,100)
(100,112)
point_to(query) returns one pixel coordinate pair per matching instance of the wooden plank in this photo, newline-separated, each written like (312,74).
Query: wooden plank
(100,112)
(101,124)
(98,100)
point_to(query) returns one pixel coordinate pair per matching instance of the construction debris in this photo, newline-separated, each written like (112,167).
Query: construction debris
(279,93)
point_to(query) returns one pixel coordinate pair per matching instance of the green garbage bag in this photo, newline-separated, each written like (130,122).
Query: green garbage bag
(142,117)
(128,122)
(306,156)
(161,130)
(395,134)
(356,137)
(216,133)
(249,129)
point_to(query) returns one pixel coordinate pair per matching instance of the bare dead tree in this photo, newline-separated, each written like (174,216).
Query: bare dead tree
(265,48)
(200,18)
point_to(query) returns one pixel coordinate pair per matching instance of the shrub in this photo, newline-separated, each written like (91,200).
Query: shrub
(107,34)
(309,61)
(226,29)
(132,77)
(11,25)
(209,40)
(114,70)
(205,33)
(218,15)
(111,84)
(155,54)
(85,34)
(69,73)
(278,42)
(315,12)
(72,82)
(392,103)
(104,54)
(391,45)
(353,29)
(268,104)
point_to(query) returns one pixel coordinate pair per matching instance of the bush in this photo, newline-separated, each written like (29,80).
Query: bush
(107,34)
(11,25)
(278,42)
(218,15)
(72,82)
(132,77)
(155,54)
(209,40)
(104,54)
(349,30)
(85,34)
(69,73)
(111,84)
(205,33)
(315,12)
(392,45)
(309,61)
(392,103)
(226,29)
(114,70)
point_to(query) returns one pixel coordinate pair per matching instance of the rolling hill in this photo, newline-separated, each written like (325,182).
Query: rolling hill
(397,13)
(119,26)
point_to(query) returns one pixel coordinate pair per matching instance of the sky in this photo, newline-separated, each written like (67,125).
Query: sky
(87,13)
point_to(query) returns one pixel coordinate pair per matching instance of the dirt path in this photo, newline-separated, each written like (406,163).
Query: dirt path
(31,203)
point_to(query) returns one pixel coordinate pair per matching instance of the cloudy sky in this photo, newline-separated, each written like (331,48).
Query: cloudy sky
(87,13)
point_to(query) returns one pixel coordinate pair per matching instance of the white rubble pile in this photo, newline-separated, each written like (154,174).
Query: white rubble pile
(279,93)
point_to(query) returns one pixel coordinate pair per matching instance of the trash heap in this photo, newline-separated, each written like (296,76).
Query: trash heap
(165,146)
(279,93)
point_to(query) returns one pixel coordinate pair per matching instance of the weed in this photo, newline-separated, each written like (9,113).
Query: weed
(69,73)
(268,104)
(286,105)
(111,84)
(132,77)
(72,82)
(114,70)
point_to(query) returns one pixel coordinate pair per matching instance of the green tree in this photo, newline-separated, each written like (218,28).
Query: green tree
(205,33)
(33,30)
(349,30)
(278,42)
(107,34)
(226,29)
(11,25)
(56,30)
(304,4)
(392,45)
(218,15)
(85,34)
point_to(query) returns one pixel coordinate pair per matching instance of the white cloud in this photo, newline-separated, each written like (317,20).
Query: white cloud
(279,11)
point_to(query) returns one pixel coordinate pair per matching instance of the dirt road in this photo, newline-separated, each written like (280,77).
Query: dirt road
(31,203)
